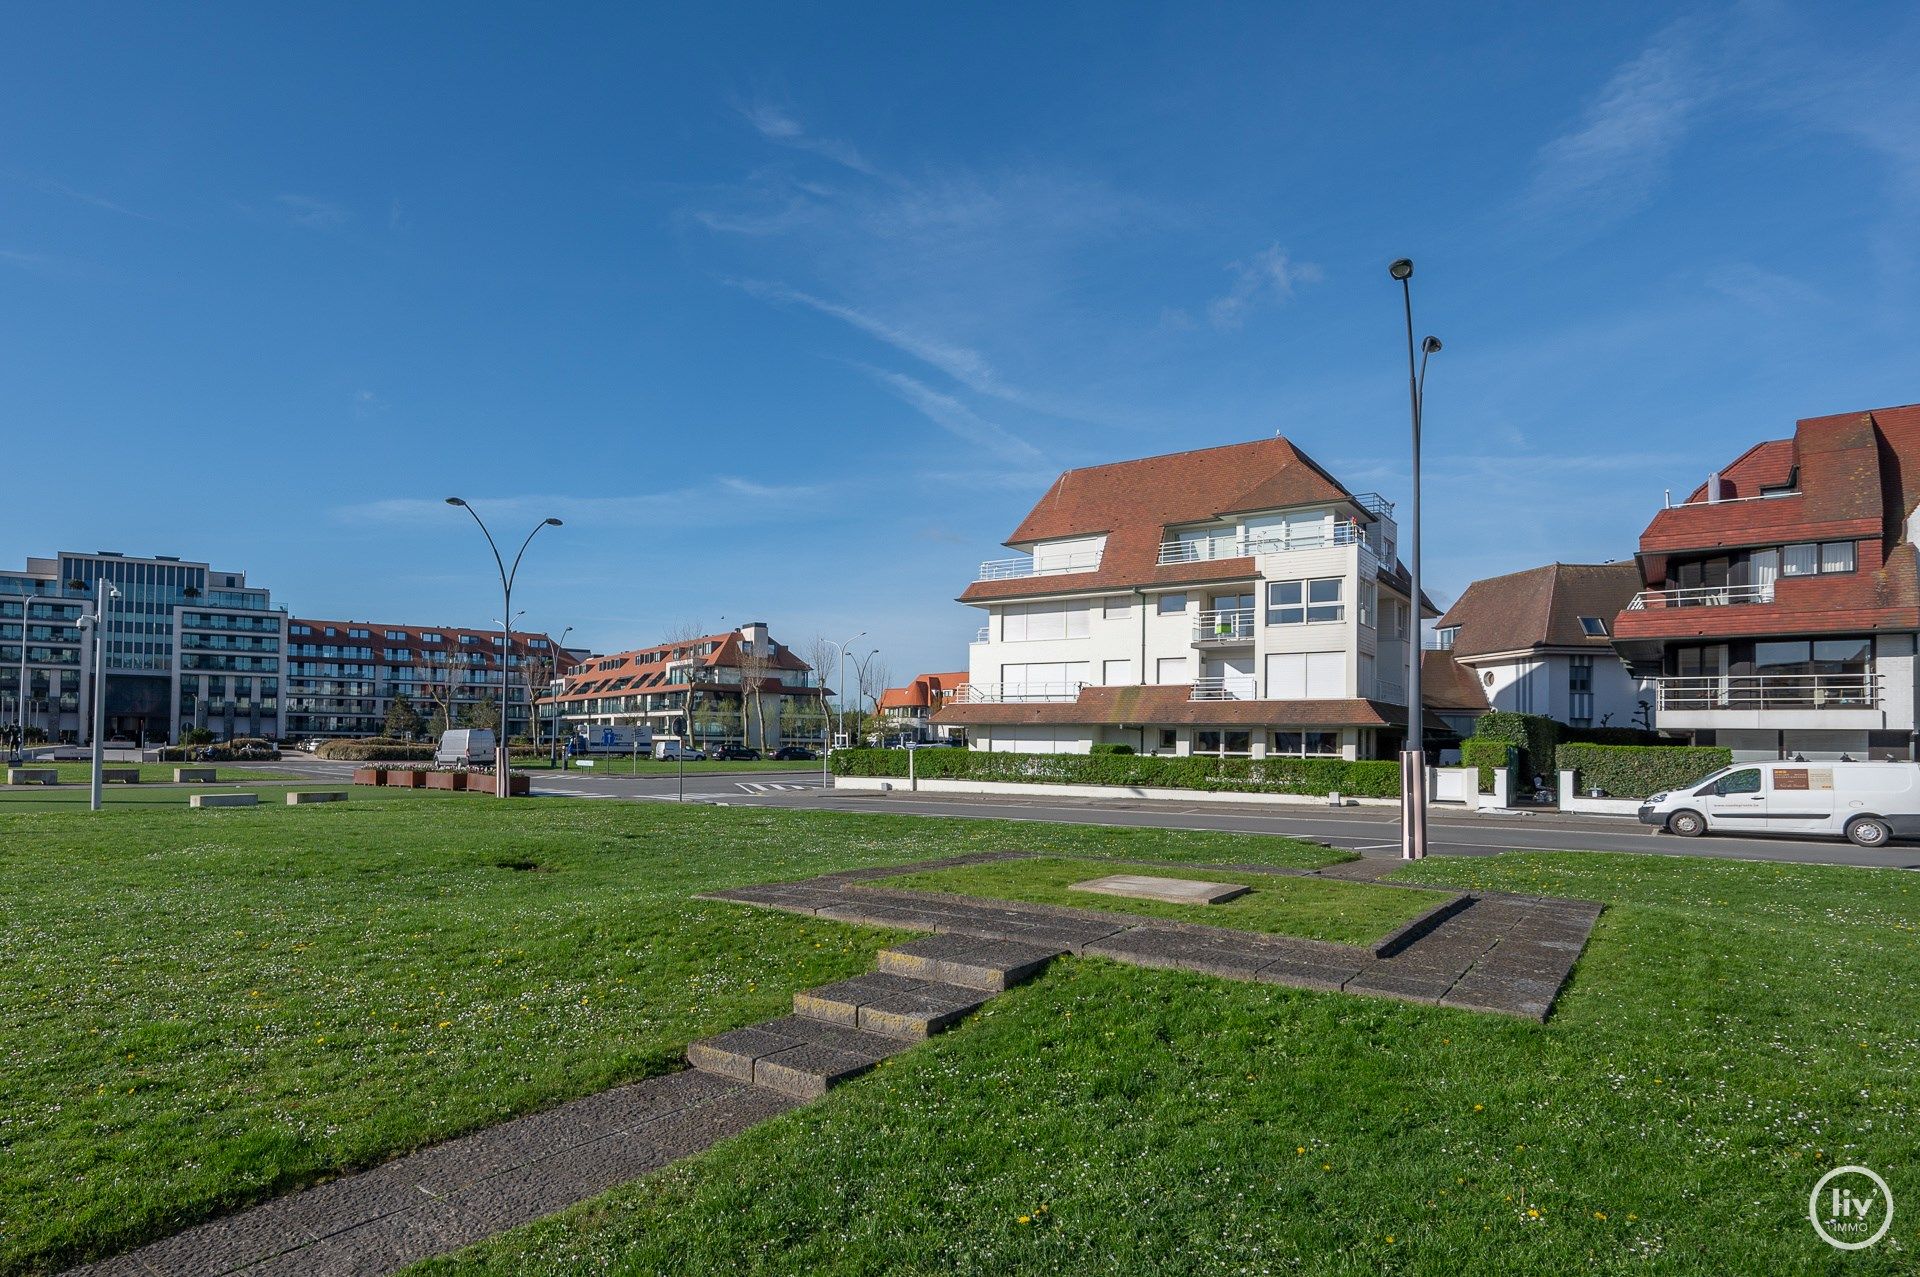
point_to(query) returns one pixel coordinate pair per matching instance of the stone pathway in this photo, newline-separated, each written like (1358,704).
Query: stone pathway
(1484,952)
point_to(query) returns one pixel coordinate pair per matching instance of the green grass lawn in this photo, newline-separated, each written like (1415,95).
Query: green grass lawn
(608,765)
(1732,1031)
(1316,908)
(206,1008)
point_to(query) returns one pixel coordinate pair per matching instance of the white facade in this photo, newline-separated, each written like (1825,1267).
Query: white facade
(1314,621)
(1585,689)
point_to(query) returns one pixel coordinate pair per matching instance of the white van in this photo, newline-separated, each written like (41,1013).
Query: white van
(466,747)
(1866,803)
(671,750)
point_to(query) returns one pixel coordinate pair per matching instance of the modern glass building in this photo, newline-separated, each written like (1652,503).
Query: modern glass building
(186,646)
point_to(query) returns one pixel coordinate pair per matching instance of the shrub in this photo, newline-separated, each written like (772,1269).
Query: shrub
(1218,775)
(1112,749)
(1635,771)
(196,736)
(1533,734)
(372,751)
(1611,736)
(1487,754)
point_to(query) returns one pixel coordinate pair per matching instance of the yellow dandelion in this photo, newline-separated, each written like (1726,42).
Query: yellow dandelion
(1532,1213)
(1479,1108)
(1389,1239)
(1599,1214)
(1301,1151)
(1026,1219)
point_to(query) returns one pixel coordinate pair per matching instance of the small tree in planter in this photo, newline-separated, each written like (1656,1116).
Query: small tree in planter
(403,720)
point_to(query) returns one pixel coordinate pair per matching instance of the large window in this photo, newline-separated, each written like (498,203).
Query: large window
(1171,669)
(1024,622)
(1305,745)
(1171,604)
(1810,558)
(1580,691)
(1222,742)
(1306,602)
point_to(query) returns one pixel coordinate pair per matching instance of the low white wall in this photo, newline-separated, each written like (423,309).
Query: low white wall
(1571,799)
(872,783)
(1454,785)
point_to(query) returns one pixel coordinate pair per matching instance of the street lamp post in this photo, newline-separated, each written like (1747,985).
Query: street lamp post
(502,759)
(843,680)
(1413,758)
(106,591)
(860,665)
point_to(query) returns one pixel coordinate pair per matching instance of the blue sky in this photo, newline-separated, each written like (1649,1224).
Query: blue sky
(792,311)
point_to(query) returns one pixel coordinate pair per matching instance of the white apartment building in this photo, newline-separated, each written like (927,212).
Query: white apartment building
(1233,601)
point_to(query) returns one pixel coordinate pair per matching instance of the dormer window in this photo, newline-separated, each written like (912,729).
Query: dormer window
(1591,626)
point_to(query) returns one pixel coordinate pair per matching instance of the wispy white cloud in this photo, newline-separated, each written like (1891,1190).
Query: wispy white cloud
(1757,288)
(778,125)
(1609,164)
(959,420)
(313,214)
(45,263)
(47,186)
(965,366)
(1270,275)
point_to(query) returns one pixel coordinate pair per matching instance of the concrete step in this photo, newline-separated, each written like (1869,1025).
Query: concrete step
(967,961)
(889,1005)
(793,1055)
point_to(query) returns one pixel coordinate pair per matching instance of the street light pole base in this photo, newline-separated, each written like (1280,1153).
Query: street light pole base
(1413,805)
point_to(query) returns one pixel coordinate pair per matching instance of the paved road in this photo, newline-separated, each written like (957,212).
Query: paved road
(1370,830)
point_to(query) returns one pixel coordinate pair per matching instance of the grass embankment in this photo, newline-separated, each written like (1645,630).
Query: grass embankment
(1733,1031)
(1316,908)
(206,1008)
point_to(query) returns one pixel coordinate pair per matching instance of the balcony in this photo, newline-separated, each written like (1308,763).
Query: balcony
(1223,627)
(984,634)
(1228,687)
(1029,565)
(1205,549)
(1015,693)
(1771,701)
(1701,596)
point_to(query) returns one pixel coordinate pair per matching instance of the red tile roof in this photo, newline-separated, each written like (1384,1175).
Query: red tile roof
(1133,503)
(1540,607)
(663,666)
(1445,684)
(1858,477)
(922,691)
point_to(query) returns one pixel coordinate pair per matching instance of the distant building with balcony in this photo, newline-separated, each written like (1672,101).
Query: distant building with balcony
(186,646)
(909,710)
(344,676)
(1234,601)
(1540,642)
(1780,603)
(717,689)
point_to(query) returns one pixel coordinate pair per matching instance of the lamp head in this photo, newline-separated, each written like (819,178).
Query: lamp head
(455,501)
(554,523)
(1431,346)
(1401,269)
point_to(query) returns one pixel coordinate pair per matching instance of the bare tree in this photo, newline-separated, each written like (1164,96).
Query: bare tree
(680,634)
(874,678)
(821,653)
(755,666)
(439,683)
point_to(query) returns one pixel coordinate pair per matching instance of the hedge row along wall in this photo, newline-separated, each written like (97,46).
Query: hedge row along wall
(1218,775)
(1635,771)
(1486,754)
(369,751)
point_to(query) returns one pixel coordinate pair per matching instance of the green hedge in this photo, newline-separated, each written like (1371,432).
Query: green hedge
(1610,736)
(1219,775)
(1535,735)
(1487,754)
(1635,771)
(1111,749)
(371,751)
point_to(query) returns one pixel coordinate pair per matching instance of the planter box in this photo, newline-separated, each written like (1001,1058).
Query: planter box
(404,780)
(519,786)
(369,776)
(446,780)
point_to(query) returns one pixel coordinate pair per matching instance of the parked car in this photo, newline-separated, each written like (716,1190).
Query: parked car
(794,754)
(672,750)
(1868,804)
(466,747)
(310,745)
(737,754)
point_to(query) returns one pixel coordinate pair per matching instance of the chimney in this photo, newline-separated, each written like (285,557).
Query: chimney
(754,634)
(1713,488)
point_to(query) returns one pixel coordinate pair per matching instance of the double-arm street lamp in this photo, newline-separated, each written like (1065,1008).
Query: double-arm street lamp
(98,623)
(503,780)
(843,681)
(1413,758)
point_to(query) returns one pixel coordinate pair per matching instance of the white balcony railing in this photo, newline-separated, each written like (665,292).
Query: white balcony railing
(984,634)
(1202,549)
(1039,565)
(1224,625)
(1015,693)
(1228,687)
(1768,691)
(1701,596)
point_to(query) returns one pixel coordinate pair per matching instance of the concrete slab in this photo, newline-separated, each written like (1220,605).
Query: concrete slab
(1172,891)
